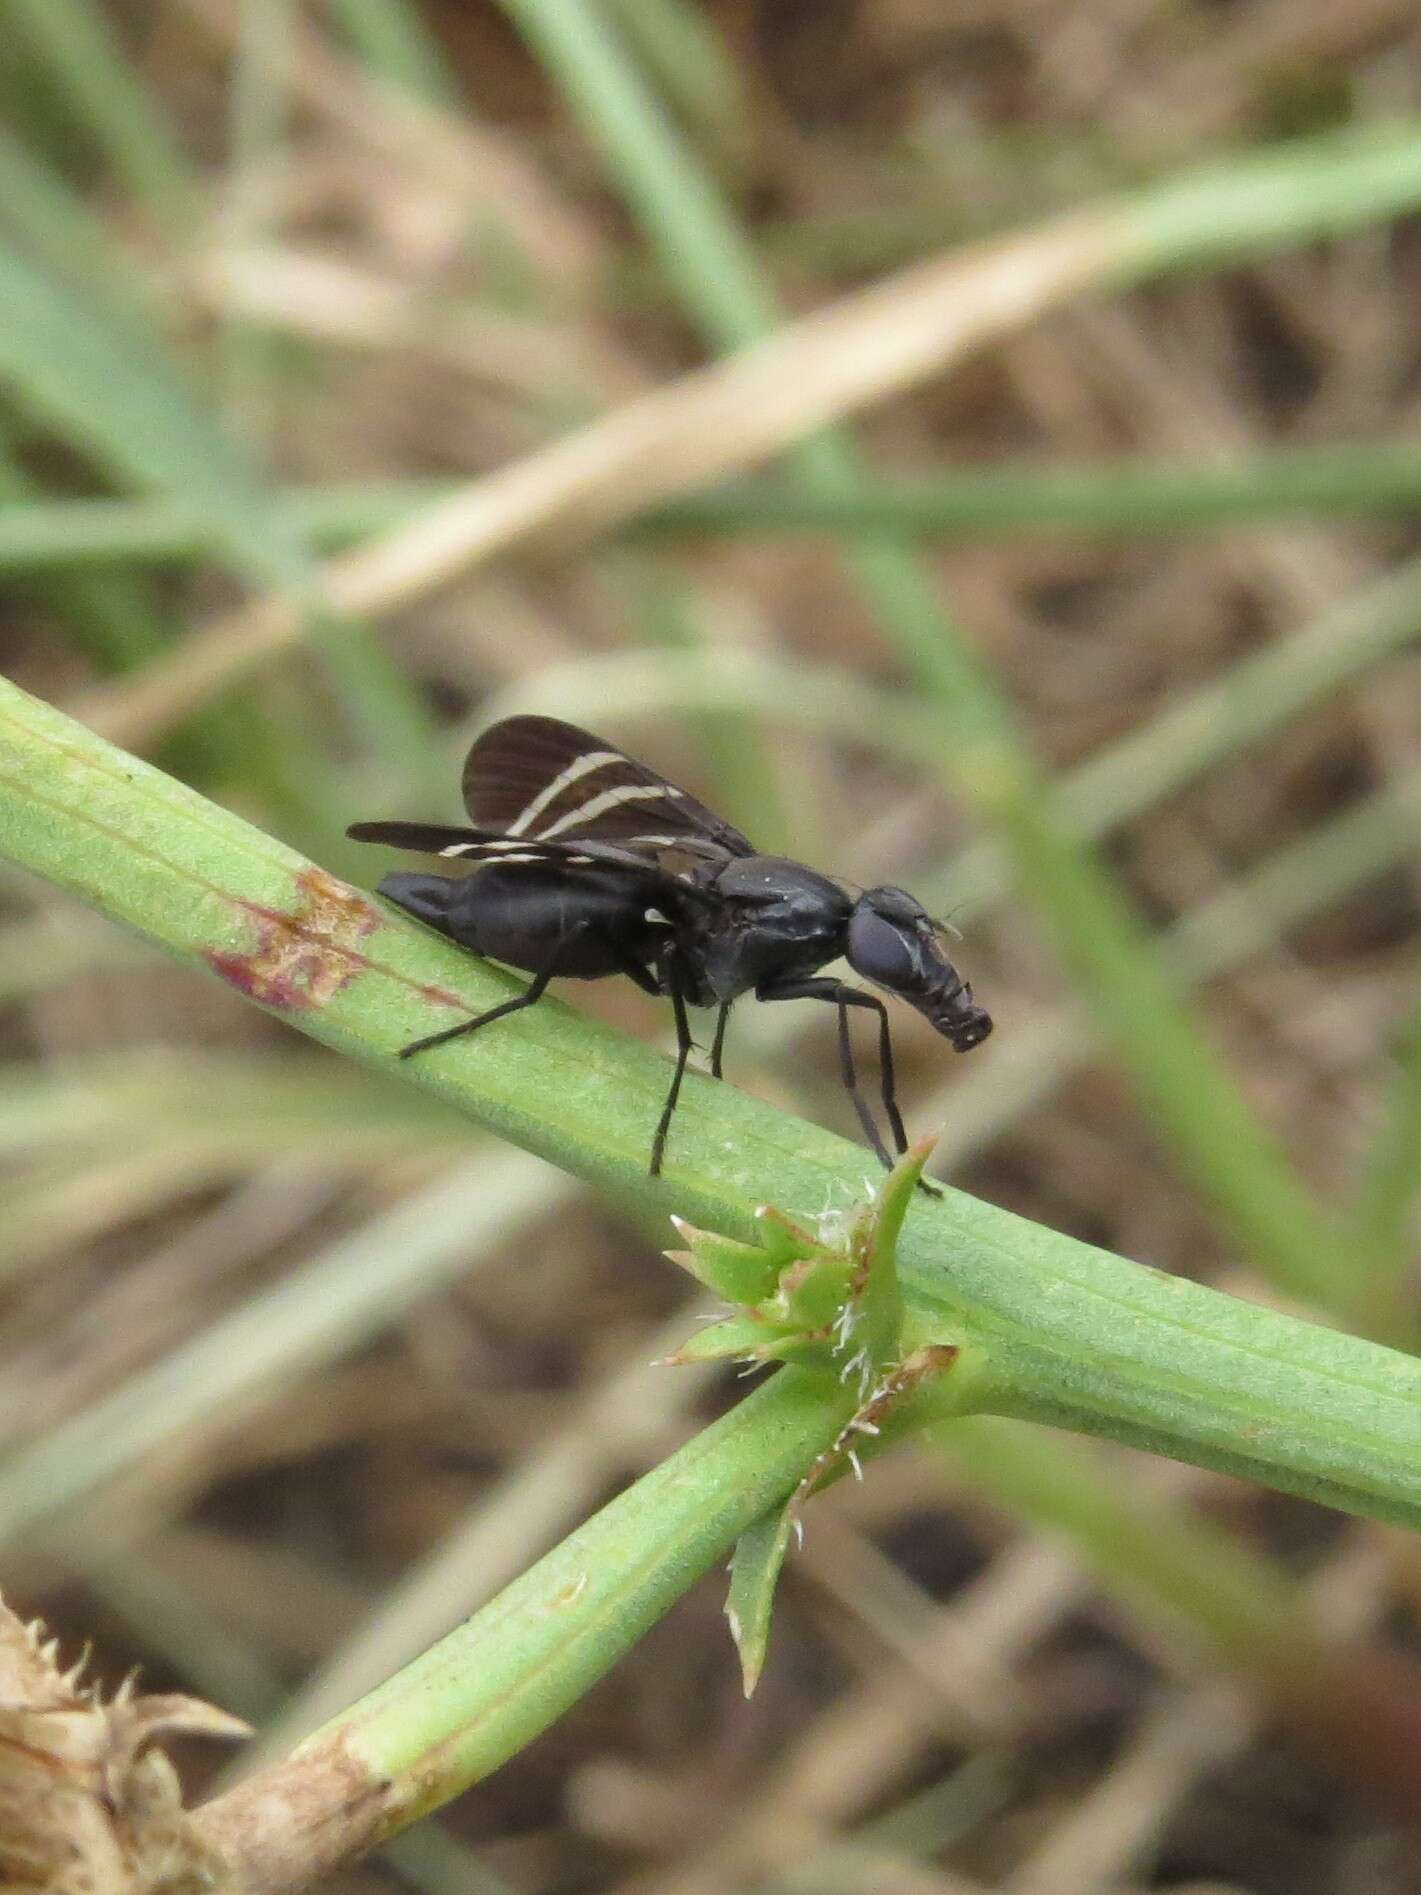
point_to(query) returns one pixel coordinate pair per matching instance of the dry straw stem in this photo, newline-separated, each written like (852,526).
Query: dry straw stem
(709,423)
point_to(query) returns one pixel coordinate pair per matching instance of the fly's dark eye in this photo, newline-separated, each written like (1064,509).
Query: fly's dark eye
(879,950)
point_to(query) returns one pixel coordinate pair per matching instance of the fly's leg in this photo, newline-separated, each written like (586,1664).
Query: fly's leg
(684,1044)
(530,997)
(718,1045)
(843,997)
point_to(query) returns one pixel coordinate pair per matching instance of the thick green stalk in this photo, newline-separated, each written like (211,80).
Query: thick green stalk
(478,1696)
(1075,1335)
(1054,1330)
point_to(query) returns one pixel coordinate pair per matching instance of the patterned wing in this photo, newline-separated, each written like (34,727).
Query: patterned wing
(544,782)
(641,871)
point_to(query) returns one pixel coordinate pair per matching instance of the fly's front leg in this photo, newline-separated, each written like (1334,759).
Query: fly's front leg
(842,996)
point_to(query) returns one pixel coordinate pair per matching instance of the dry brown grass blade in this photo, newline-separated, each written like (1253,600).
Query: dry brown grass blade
(709,423)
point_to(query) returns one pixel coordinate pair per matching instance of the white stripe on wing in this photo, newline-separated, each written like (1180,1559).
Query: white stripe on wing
(580,767)
(609,799)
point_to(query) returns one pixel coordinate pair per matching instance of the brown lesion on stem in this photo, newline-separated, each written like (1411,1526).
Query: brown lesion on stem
(289,1826)
(302,959)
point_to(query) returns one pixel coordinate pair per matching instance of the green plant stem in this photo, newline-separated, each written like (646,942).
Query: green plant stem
(1191,1096)
(474,1699)
(1057,1331)
(1076,1336)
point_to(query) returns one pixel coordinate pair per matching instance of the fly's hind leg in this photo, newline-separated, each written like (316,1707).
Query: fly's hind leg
(530,997)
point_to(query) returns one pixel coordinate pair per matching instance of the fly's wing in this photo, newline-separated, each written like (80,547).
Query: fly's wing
(538,782)
(430,838)
(644,877)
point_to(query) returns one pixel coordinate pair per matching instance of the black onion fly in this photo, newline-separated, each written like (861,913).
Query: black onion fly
(590,863)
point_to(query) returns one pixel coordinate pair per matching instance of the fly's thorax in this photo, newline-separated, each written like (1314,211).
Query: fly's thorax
(773,918)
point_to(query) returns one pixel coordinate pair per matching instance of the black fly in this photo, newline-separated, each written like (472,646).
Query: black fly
(593,864)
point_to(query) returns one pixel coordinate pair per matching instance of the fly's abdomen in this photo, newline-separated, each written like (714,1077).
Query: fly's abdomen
(523,915)
(426,897)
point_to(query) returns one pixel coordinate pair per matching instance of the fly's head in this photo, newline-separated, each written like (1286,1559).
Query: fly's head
(894,942)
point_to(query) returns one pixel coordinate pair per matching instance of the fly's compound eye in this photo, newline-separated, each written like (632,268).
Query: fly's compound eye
(880,950)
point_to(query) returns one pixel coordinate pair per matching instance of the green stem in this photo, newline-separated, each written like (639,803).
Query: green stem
(478,1696)
(1057,1331)
(1076,1336)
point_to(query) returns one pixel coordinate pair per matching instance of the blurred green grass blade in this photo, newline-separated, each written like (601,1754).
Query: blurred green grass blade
(393,43)
(1253,698)
(739,764)
(93,375)
(1170,1562)
(258,111)
(109,103)
(1246,917)
(1237,1164)
(381,703)
(97,377)
(1363,481)
(1302,191)
(110,616)
(254,1108)
(52,222)
(683,51)
(1387,1208)
(117,618)
(697,245)
(331,1303)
